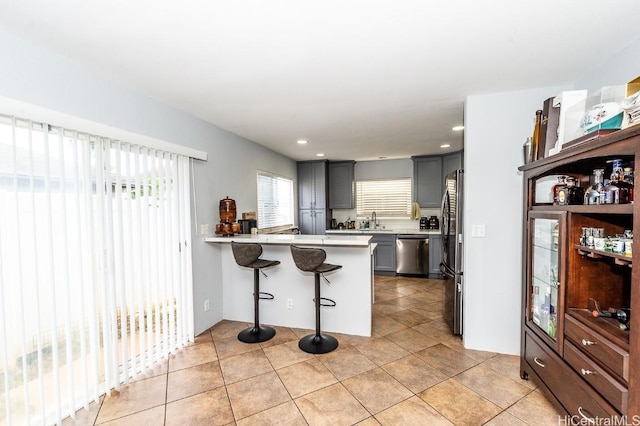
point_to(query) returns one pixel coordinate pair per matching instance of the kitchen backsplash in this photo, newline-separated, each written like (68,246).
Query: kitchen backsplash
(344,215)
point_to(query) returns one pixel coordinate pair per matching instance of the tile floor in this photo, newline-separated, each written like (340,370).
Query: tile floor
(411,371)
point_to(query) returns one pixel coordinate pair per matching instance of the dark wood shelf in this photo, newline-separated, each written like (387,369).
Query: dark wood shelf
(618,259)
(607,327)
(587,209)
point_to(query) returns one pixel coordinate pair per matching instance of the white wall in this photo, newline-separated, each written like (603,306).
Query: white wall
(37,76)
(496,126)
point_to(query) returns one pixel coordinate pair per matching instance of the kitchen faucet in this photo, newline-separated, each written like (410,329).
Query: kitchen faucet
(374,219)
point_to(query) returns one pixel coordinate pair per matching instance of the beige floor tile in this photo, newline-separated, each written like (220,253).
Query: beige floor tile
(409,317)
(435,329)
(382,325)
(331,406)
(411,340)
(382,295)
(209,408)
(226,328)
(132,398)
(508,365)
(535,409)
(244,366)
(152,416)
(286,414)
(193,380)
(493,386)
(506,419)
(256,394)
(283,335)
(389,306)
(414,373)
(347,361)
(366,387)
(349,339)
(204,337)
(446,360)
(286,354)
(459,404)
(305,377)
(381,350)
(192,355)
(455,343)
(229,346)
(412,411)
(369,421)
(158,369)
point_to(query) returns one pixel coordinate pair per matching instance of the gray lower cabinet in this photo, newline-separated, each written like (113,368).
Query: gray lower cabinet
(435,256)
(385,253)
(312,221)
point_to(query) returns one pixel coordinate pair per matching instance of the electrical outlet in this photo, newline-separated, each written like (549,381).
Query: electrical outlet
(289,303)
(206,305)
(205,229)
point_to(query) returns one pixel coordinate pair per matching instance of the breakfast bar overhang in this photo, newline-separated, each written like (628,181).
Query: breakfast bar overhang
(351,287)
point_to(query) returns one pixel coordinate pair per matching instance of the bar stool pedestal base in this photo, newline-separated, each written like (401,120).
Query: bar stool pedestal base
(318,344)
(256,334)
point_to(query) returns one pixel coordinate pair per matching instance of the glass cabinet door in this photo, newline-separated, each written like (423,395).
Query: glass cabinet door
(546,236)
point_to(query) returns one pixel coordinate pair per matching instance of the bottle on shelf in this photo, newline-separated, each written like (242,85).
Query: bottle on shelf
(555,189)
(627,176)
(594,194)
(571,194)
(535,140)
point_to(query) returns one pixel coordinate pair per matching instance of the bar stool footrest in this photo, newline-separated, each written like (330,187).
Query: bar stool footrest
(256,334)
(331,303)
(318,344)
(265,296)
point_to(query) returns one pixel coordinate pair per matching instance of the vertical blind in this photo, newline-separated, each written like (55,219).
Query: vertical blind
(386,197)
(95,266)
(275,200)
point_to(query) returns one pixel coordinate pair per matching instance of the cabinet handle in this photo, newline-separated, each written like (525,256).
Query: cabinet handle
(590,420)
(586,372)
(537,361)
(587,342)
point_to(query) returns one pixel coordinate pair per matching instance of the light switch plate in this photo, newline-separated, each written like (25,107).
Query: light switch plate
(478,231)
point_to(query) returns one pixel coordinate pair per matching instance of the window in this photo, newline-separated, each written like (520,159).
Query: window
(95,266)
(387,197)
(275,201)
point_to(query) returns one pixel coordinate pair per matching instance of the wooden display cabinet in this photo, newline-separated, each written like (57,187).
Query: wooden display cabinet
(583,362)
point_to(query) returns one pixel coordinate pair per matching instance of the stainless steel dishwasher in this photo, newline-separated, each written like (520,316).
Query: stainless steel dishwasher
(412,254)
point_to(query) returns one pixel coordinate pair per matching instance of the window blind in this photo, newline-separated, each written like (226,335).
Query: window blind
(386,197)
(275,200)
(95,266)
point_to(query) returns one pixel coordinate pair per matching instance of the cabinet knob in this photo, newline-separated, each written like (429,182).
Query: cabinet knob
(537,361)
(587,342)
(586,372)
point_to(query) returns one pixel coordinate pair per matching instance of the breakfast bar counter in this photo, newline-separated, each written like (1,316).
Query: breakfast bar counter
(351,287)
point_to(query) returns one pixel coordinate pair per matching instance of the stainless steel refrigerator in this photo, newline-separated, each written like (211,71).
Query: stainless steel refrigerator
(452,244)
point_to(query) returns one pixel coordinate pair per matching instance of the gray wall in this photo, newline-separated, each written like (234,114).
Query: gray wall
(37,76)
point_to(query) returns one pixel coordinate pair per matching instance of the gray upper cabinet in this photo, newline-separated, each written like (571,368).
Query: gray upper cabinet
(427,180)
(341,185)
(313,178)
(450,163)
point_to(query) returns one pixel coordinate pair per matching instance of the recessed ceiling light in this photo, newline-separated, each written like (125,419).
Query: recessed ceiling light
(320,154)
(302,142)
(457,128)
(445,145)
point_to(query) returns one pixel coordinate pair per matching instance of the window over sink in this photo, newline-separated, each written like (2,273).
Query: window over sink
(390,198)
(275,200)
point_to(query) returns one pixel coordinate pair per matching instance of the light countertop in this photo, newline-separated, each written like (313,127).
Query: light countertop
(285,239)
(384,231)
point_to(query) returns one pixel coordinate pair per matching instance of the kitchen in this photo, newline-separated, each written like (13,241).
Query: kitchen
(496,124)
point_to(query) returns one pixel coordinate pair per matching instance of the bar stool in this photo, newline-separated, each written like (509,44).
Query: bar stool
(312,260)
(247,254)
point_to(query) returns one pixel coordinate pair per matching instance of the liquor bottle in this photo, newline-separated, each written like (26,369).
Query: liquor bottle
(535,140)
(627,176)
(555,189)
(594,194)
(625,189)
(571,194)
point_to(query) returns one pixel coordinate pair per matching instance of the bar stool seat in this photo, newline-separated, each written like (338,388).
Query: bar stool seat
(312,260)
(247,255)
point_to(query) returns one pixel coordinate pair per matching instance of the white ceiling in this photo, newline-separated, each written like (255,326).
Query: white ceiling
(359,79)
